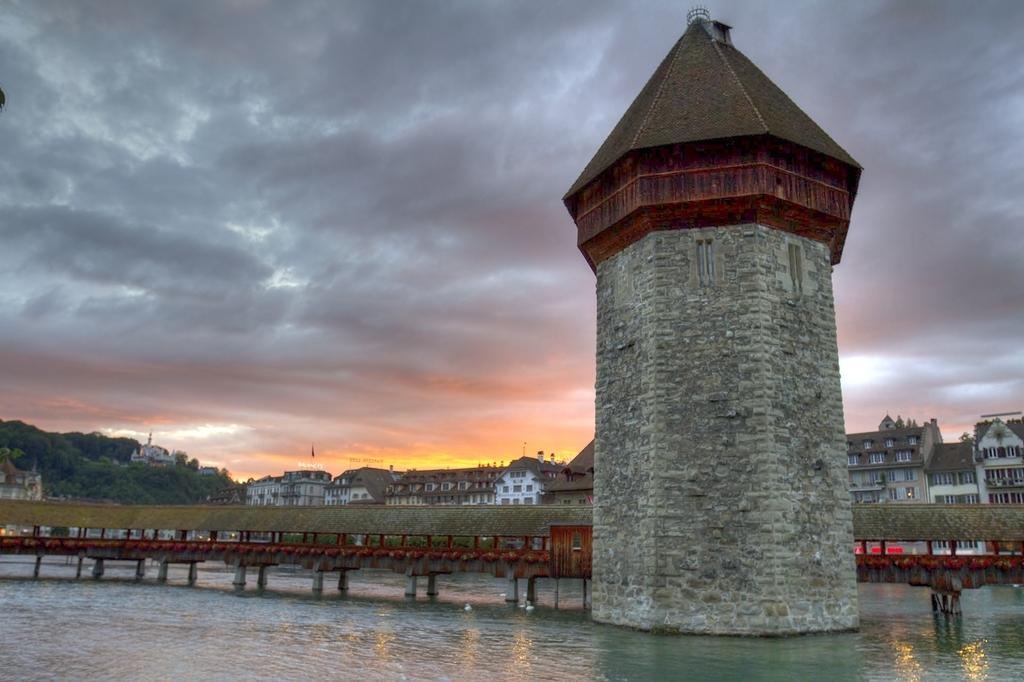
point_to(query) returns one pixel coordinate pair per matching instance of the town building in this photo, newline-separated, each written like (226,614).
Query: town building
(152,455)
(264,492)
(575,482)
(467,486)
(231,495)
(303,488)
(888,465)
(951,474)
(16,484)
(366,485)
(999,460)
(524,481)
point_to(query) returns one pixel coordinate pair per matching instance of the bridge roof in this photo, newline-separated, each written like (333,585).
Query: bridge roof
(370,519)
(870,522)
(1003,523)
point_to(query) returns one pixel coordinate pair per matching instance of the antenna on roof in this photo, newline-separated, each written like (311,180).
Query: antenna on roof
(698,13)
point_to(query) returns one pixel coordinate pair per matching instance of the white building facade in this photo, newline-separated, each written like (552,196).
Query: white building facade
(999,458)
(525,480)
(264,492)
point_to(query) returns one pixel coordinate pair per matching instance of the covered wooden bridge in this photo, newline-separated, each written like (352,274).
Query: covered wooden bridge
(517,542)
(511,542)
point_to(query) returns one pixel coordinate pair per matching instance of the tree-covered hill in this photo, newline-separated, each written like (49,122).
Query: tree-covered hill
(97,467)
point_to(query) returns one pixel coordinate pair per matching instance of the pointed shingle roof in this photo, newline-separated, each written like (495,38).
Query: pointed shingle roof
(706,89)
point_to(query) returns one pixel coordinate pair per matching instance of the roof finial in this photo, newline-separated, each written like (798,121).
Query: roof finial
(698,13)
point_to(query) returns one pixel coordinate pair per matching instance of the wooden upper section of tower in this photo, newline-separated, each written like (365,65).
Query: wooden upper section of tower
(710,140)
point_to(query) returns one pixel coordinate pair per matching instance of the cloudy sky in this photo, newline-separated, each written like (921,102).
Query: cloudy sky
(249,226)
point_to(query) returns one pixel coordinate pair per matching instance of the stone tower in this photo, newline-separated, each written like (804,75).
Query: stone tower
(713,215)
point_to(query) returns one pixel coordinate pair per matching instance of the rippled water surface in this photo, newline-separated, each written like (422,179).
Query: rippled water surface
(116,628)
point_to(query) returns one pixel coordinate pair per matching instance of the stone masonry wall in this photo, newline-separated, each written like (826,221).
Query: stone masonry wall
(721,502)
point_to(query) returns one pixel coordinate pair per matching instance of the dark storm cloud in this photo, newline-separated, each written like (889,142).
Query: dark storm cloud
(345,218)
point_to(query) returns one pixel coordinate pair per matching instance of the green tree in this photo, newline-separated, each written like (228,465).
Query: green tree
(10,453)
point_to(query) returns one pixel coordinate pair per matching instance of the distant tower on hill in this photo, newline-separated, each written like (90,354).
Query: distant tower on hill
(712,216)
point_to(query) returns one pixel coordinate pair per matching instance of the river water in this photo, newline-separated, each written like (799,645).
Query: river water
(116,628)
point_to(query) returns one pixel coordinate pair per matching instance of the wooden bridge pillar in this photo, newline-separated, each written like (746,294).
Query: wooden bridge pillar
(261,577)
(140,569)
(161,573)
(531,590)
(97,568)
(193,573)
(410,585)
(318,580)
(512,591)
(343,581)
(947,603)
(239,581)
(432,585)
(78,571)
(35,571)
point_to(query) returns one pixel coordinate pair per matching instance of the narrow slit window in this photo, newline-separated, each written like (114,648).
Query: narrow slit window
(577,542)
(705,262)
(796,267)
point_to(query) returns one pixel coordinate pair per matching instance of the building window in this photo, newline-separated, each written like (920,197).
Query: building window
(904,455)
(912,440)
(967,477)
(877,457)
(889,442)
(517,488)
(852,460)
(943,479)
(868,443)
(796,268)
(577,541)
(705,262)
(909,493)
(529,488)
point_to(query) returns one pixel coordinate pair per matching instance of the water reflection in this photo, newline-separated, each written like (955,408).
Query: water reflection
(907,666)
(470,643)
(520,656)
(972,658)
(382,644)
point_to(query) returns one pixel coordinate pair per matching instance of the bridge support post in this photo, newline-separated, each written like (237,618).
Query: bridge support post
(586,597)
(239,581)
(432,585)
(512,591)
(140,569)
(557,581)
(193,573)
(39,562)
(343,581)
(97,568)
(318,581)
(161,572)
(261,577)
(531,590)
(410,586)
(78,571)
